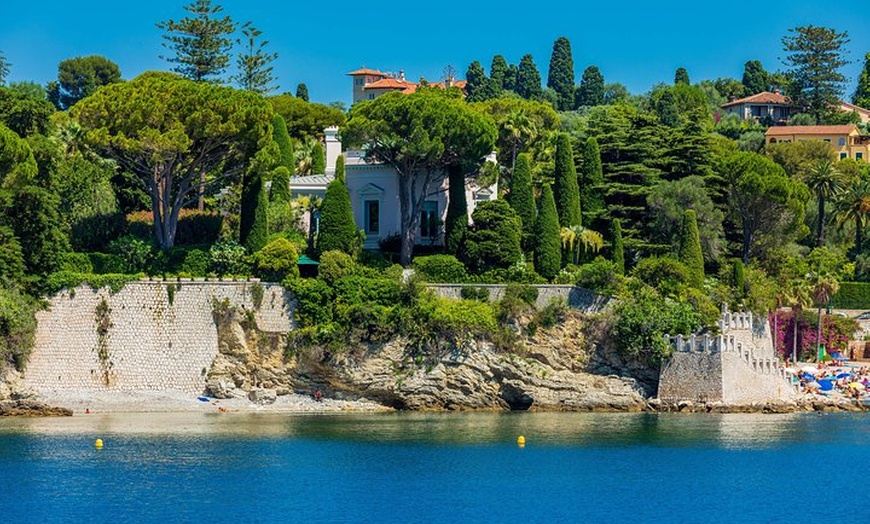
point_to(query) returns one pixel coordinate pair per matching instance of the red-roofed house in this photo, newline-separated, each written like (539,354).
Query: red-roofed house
(774,106)
(369,84)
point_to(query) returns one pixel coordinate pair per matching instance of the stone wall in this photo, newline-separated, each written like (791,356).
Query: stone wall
(736,366)
(148,336)
(576,297)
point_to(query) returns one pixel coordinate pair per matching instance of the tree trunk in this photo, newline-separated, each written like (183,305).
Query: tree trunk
(794,346)
(408,221)
(820,235)
(819,332)
(200,205)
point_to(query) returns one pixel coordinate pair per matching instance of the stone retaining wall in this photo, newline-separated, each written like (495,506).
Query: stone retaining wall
(154,336)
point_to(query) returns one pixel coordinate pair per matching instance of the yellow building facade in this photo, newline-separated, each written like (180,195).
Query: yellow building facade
(846,141)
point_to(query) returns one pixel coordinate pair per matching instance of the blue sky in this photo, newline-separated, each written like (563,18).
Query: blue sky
(636,43)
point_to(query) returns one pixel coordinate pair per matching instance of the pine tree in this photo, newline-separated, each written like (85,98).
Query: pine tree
(522,198)
(4,68)
(255,64)
(318,159)
(497,72)
(560,77)
(816,55)
(529,79)
(302,92)
(253,222)
(862,92)
(201,42)
(755,78)
(690,249)
(590,92)
(510,78)
(667,110)
(339,168)
(618,250)
(681,76)
(591,182)
(280,190)
(285,146)
(456,221)
(565,189)
(548,251)
(338,231)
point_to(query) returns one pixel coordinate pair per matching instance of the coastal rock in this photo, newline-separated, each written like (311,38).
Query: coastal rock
(31,408)
(263,396)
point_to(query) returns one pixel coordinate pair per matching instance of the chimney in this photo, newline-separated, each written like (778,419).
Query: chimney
(401,75)
(776,91)
(448,82)
(333,148)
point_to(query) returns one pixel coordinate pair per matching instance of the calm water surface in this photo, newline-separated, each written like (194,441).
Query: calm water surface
(436,468)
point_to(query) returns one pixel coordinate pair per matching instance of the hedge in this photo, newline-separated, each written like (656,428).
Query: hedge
(852,295)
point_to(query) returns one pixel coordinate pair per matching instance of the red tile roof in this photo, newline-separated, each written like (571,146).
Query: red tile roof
(811,130)
(364,71)
(391,83)
(765,97)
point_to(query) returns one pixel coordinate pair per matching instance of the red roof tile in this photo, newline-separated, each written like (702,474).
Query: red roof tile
(391,83)
(765,97)
(364,71)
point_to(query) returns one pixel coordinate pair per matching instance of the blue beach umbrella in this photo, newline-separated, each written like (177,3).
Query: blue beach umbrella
(826,385)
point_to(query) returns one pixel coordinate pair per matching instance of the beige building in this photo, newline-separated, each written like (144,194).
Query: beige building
(765,106)
(864,114)
(846,141)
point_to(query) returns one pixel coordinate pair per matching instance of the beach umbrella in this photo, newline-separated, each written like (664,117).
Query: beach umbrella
(826,385)
(845,375)
(856,385)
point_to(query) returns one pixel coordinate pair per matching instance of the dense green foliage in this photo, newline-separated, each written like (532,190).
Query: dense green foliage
(690,249)
(681,76)
(560,76)
(302,92)
(277,261)
(852,295)
(338,231)
(253,220)
(861,97)
(590,179)
(17,326)
(254,64)
(590,92)
(440,268)
(618,249)
(305,121)
(78,78)
(493,240)
(548,254)
(285,145)
(565,188)
(755,78)
(279,191)
(522,199)
(815,56)
(646,317)
(456,221)
(528,79)
(200,42)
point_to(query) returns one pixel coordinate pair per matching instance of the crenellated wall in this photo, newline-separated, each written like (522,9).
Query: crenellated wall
(148,336)
(736,366)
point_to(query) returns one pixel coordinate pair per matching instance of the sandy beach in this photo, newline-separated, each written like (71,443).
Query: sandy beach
(175,402)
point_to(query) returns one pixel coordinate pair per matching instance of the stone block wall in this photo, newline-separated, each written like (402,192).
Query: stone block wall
(576,297)
(155,335)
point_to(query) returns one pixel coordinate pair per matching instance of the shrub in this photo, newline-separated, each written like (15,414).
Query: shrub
(103,264)
(229,258)
(551,314)
(338,230)
(135,253)
(335,265)
(493,240)
(440,268)
(196,263)
(852,295)
(690,249)
(69,280)
(11,257)
(277,260)
(390,244)
(600,275)
(313,301)
(480,294)
(523,292)
(517,300)
(455,319)
(253,219)
(548,254)
(667,275)
(17,326)
(356,289)
(77,263)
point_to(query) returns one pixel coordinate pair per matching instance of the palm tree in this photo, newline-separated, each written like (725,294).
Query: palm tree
(824,288)
(826,181)
(797,294)
(521,130)
(854,204)
(576,237)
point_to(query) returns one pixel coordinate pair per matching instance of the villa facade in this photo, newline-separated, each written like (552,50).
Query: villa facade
(369,84)
(772,107)
(846,141)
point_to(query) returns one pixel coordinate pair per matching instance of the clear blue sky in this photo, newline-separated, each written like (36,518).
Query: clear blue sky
(636,43)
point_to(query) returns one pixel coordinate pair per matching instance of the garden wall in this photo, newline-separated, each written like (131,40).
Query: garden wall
(576,297)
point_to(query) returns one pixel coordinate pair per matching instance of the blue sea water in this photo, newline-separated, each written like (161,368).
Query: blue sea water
(442,468)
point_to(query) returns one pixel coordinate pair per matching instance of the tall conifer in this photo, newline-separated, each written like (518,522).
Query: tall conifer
(529,79)
(591,182)
(862,92)
(253,222)
(280,190)
(681,76)
(285,146)
(338,231)
(201,42)
(548,251)
(302,92)
(590,92)
(565,187)
(497,71)
(456,221)
(318,159)
(560,77)
(522,198)
(618,250)
(690,248)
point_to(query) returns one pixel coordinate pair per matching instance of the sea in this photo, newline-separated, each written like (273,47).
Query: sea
(438,468)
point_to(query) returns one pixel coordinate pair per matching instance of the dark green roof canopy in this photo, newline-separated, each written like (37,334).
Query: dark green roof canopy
(305,261)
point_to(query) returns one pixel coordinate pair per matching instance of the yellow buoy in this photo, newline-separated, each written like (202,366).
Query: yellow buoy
(98,443)
(521,441)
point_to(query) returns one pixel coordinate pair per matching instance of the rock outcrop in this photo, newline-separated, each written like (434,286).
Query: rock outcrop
(18,400)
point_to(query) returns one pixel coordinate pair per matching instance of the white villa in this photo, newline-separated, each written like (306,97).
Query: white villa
(374,194)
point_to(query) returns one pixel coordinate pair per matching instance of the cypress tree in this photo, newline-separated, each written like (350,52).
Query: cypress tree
(739,278)
(476,82)
(280,190)
(755,78)
(318,160)
(862,92)
(560,77)
(590,92)
(666,109)
(522,198)
(339,168)
(253,222)
(497,72)
(690,248)
(510,78)
(529,79)
(618,253)
(681,77)
(548,250)
(338,231)
(591,182)
(282,138)
(302,92)
(456,221)
(565,188)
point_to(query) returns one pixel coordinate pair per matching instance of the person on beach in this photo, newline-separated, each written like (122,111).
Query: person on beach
(318,395)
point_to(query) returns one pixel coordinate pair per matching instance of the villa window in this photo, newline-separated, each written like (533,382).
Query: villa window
(430,221)
(841,142)
(828,140)
(844,155)
(372,217)
(859,156)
